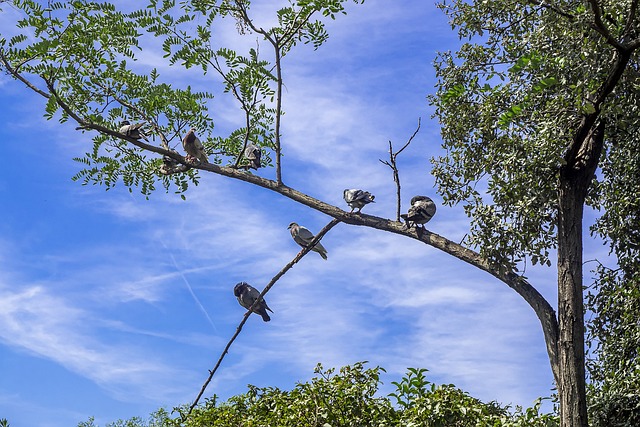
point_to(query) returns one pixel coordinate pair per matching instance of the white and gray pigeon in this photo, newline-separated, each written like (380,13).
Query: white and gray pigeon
(246,295)
(303,237)
(194,148)
(132,131)
(253,154)
(357,199)
(421,211)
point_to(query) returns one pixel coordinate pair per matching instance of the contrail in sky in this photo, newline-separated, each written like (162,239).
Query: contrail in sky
(193,295)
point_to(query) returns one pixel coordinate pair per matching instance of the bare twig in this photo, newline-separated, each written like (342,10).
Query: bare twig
(273,281)
(394,167)
(279,43)
(276,48)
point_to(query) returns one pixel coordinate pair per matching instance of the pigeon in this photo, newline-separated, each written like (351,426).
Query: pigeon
(253,154)
(194,148)
(132,131)
(246,295)
(303,237)
(170,165)
(357,199)
(421,211)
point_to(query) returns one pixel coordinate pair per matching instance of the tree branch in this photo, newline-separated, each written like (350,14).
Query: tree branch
(597,25)
(154,123)
(630,18)
(538,303)
(20,77)
(613,76)
(276,48)
(394,167)
(600,27)
(273,281)
(554,8)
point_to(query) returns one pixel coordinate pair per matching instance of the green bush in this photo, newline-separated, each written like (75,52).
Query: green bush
(347,398)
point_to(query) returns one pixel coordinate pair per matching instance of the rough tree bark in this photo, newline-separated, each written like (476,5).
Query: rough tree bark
(575,178)
(581,161)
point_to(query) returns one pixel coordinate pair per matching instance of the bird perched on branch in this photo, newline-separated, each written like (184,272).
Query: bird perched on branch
(357,199)
(247,295)
(194,148)
(170,165)
(253,154)
(132,131)
(421,211)
(303,237)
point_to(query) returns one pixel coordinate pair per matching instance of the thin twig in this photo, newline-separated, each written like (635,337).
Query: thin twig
(394,167)
(273,281)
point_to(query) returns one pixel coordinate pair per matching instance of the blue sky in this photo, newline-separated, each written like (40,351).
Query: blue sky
(113,306)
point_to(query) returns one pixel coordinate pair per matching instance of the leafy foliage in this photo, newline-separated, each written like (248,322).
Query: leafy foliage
(614,340)
(348,398)
(521,103)
(510,101)
(89,60)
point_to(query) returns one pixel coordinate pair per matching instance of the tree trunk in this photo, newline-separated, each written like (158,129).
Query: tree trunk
(571,381)
(575,178)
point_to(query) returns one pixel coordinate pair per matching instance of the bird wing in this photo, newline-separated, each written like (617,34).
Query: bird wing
(252,293)
(421,213)
(361,195)
(358,196)
(201,153)
(198,144)
(427,206)
(185,143)
(319,248)
(351,195)
(251,152)
(305,235)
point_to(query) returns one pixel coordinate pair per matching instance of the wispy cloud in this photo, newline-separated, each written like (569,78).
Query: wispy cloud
(34,319)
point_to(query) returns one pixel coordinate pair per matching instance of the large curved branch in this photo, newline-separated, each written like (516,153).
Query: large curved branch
(546,314)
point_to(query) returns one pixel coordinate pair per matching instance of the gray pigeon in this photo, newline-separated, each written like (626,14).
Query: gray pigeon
(357,199)
(246,295)
(194,148)
(132,131)
(303,237)
(253,154)
(170,165)
(421,211)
